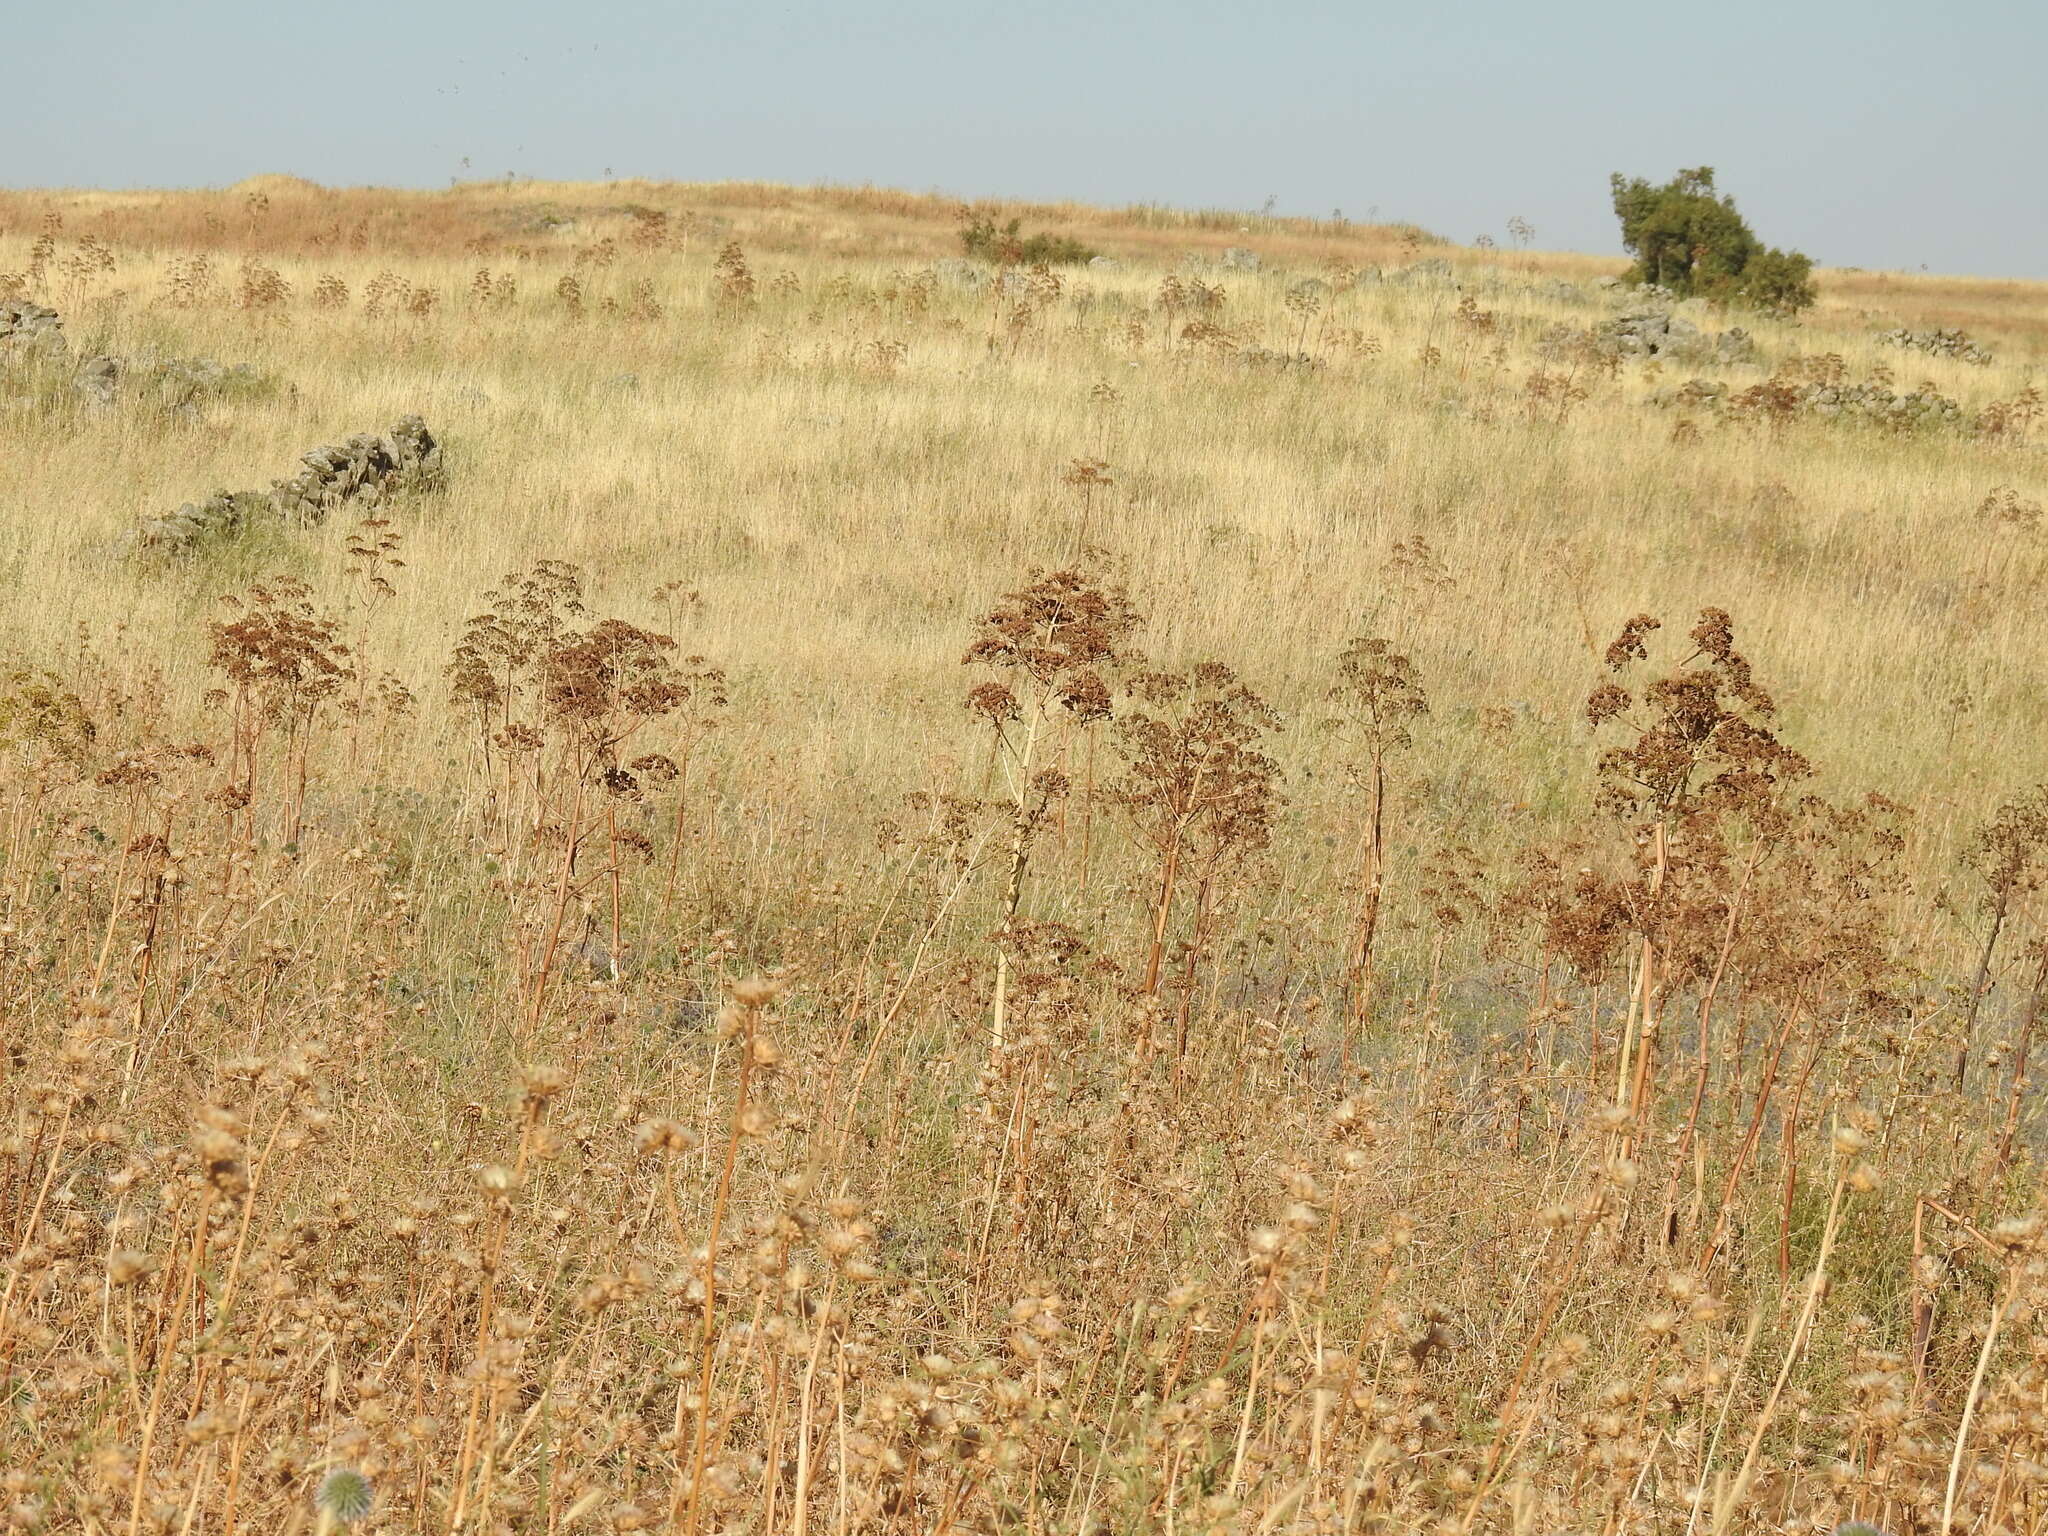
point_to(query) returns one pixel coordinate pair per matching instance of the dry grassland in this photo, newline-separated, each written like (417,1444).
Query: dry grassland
(565,1006)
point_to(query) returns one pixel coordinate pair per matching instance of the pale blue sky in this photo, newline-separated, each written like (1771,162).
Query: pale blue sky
(1889,133)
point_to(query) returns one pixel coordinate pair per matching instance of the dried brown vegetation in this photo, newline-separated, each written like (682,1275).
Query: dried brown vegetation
(1347,1031)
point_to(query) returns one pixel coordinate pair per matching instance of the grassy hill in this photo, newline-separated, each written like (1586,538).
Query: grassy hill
(1164,1100)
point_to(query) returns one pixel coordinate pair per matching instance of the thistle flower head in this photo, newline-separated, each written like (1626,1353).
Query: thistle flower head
(344,1495)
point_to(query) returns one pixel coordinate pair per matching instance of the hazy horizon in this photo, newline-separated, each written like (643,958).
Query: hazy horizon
(1866,136)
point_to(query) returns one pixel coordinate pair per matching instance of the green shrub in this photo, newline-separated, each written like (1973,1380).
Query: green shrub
(1779,282)
(1007,245)
(1686,237)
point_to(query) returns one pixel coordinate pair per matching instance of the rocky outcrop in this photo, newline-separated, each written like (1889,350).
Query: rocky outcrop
(1659,333)
(359,472)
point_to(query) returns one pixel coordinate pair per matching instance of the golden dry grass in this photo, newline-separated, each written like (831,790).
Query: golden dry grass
(396,1122)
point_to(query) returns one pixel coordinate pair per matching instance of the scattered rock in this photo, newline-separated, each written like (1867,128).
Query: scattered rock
(27,327)
(34,334)
(1648,331)
(180,384)
(98,379)
(1781,397)
(1644,330)
(362,471)
(1734,345)
(1939,343)
(1875,402)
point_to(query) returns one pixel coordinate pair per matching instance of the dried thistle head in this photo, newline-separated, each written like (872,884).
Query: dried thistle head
(1703,731)
(1192,764)
(1380,691)
(345,1496)
(281,651)
(1086,474)
(2006,850)
(1053,638)
(735,277)
(39,711)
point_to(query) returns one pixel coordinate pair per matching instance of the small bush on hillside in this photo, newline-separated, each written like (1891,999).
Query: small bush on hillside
(1007,245)
(1689,239)
(1777,282)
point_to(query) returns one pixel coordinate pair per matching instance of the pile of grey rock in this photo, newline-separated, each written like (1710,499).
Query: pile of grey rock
(1877,403)
(180,383)
(33,345)
(360,472)
(1868,402)
(176,384)
(1656,332)
(32,335)
(28,328)
(1939,343)
(1649,331)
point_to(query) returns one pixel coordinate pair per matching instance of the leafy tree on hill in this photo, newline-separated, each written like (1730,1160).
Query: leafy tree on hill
(1686,237)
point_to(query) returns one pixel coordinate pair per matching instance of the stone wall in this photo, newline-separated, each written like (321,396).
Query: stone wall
(32,337)
(1647,331)
(1938,343)
(359,472)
